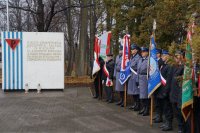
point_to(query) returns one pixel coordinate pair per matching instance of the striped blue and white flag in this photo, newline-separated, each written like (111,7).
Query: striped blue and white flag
(12,60)
(154,79)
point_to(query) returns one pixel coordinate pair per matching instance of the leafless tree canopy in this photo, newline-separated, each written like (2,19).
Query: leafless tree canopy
(76,18)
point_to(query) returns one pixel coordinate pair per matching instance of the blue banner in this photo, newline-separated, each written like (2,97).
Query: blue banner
(154,79)
(125,71)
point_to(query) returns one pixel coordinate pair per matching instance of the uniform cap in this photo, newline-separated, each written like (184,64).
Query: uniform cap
(144,49)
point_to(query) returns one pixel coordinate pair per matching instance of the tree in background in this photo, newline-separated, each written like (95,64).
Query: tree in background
(81,20)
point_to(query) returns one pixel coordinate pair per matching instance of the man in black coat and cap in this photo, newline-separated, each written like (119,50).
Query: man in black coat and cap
(162,93)
(158,106)
(176,91)
(108,79)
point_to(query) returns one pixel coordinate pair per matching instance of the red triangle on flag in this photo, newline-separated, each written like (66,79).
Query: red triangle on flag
(13,43)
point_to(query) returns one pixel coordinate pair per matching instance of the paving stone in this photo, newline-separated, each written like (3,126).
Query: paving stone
(69,111)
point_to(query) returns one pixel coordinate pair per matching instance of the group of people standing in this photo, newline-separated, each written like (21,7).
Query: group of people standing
(167,97)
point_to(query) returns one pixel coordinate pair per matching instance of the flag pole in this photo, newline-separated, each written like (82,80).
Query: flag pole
(7,15)
(151,112)
(152,98)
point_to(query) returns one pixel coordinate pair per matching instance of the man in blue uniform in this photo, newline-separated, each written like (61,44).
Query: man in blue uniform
(142,82)
(118,87)
(133,89)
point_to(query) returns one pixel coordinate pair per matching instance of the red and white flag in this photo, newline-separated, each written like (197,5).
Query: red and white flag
(101,48)
(96,65)
(105,44)
(105,49)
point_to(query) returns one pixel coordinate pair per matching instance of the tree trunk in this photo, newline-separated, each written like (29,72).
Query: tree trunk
(40,16)
(70,41)
(81,64)
(93,22)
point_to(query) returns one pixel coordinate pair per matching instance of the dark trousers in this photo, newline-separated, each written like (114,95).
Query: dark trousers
(108,91)
(182,125)
(98,86)
(167,109)
(197,114)
(159,106)
(121,93)
(136,98)
(145,103)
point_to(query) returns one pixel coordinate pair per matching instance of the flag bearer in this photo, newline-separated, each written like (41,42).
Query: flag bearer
(118,87)
(197,99)
(176,91)
(132,86)
(158,106)
(98,80)
(108,80)
(162,93)
(142,81)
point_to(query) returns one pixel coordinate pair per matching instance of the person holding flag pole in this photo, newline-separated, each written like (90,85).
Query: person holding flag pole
(154,79)
(108,77)
(125,72)
(118,87)
(187,85)
(97,69)
(133,89)
(142,82)
(162,92)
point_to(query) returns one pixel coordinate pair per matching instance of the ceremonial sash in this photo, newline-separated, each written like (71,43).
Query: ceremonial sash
(108,80)
(163,80)
(133,71)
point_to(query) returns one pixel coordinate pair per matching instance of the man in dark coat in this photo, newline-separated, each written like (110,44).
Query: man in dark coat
(118,87)
(176,92)
(197,100)
(108,81)
(159,54)
(98,80)
(162,93)
(133,89)
(142,81)
(158,106)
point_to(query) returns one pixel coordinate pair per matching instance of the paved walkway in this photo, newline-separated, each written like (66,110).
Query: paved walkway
(71,111)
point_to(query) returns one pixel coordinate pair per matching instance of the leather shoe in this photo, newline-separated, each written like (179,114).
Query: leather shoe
(137,107)
(119,103)
(110,101)
(163,125)
(156,116)
(132,107)
(158,120)
(146,112)
(180,131)
(95,97)
(141,111)
(168,126)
